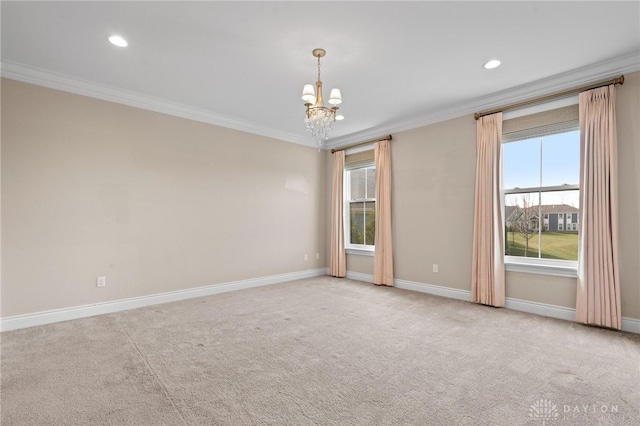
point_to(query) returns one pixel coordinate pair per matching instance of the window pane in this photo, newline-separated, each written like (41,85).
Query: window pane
(370,223)
(358,184)
(521,225)
(559,239)
(556,237)
(521,164)
(561,159)
(362,217)
(371,183)
(356,215)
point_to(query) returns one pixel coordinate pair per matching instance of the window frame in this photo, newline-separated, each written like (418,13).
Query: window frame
(542,266)
(359,249)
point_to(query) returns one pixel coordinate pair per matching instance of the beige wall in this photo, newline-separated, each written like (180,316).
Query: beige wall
(158,203)
(432,200)
(628,113)
(433,184)
(153,202)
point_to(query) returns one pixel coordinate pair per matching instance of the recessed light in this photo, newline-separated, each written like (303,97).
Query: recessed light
(494,63)
(116,40)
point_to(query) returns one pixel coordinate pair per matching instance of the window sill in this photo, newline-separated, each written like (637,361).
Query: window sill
(556,268)
(361,251)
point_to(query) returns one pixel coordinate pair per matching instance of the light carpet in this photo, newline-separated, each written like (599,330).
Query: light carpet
(320,351)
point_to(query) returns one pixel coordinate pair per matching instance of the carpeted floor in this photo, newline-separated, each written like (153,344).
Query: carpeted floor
(320,351)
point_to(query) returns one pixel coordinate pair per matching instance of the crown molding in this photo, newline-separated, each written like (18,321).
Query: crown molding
(554,84)
(52,80)
(557,83)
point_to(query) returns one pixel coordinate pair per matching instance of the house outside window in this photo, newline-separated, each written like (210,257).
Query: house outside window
(541,165)
(567,220)
(360,202)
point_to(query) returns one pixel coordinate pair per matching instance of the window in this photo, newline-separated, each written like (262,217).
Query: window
(541,169)
(360,202)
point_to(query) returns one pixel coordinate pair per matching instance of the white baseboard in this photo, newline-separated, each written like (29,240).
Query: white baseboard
(65,314)
(436,290)
(631,325)
(357,276)
(543,309)
(452,293)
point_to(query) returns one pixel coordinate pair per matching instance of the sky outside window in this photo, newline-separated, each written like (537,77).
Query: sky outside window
(560,164)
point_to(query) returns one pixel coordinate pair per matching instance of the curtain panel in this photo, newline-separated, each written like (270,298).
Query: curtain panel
(383,256)
(598,290)
(487,280)
(337,260)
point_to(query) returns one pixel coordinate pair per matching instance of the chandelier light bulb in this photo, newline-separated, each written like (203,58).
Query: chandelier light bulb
(308,94)
(335,98)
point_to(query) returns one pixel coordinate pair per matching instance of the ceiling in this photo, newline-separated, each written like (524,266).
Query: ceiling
(242,65)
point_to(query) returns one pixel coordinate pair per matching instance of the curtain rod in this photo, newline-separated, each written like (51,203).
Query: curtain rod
(618,80)
(386,138)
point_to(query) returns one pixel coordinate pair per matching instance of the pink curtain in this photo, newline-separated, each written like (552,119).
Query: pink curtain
(487,275)
(383,257)
(598,294)
(337,261)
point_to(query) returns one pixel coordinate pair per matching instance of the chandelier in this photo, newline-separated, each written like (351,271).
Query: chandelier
(319,118)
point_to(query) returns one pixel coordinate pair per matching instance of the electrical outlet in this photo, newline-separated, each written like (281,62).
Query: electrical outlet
(306,257)
(317,256)
(101,281)
(435,268)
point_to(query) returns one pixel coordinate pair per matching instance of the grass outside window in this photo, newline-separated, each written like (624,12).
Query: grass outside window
(551,245)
